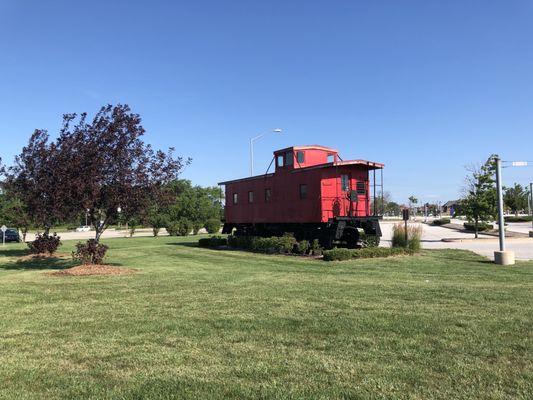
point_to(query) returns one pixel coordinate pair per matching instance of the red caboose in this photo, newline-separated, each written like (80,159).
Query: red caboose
(312,193)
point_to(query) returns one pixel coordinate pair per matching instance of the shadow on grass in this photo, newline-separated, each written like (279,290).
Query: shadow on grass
(186,244)
(39,263)
(14,253)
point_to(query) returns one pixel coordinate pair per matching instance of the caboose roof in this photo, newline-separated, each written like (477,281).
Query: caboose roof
(369,164)
(308,147)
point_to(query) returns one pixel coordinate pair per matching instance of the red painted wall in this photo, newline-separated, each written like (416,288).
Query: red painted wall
(325,197)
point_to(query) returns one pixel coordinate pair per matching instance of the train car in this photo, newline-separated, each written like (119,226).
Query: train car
(313,194)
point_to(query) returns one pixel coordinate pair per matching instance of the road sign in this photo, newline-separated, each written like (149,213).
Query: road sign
(4,228)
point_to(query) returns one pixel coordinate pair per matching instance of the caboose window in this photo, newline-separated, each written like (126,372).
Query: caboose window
(268,195)
(361,188)
(331,158)
(300,157)
(289,158)
(280,160)
(303,191)
(235,198)
(345,183)
(250,197)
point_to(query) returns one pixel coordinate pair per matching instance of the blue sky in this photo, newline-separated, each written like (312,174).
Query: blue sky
(426,87)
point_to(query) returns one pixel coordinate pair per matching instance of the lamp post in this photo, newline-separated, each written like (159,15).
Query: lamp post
(531,207)
(502,256)
(252,140)
(119,210)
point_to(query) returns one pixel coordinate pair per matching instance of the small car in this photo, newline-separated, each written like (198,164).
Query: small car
(83,228)
(11,235)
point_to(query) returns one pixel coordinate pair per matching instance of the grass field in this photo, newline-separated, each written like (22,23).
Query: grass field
(198,323)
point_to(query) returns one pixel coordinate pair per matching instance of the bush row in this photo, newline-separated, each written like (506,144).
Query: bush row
(481,227)
(286,244)
(183,227)
(368,252)
(441,221)
(523,218)
(213,242)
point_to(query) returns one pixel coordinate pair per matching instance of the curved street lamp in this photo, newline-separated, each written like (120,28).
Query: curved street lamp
(252,140)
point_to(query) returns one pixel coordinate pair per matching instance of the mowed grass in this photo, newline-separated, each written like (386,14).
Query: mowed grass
(202,324)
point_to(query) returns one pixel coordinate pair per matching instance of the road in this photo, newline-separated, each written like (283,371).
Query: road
(486,245)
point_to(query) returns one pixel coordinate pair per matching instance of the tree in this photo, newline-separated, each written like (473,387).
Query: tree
(195,204)
(412,202)
(379,205)
(393,208)
(480,198)
(516,198)
(13,212)
(97,165)
(37,180)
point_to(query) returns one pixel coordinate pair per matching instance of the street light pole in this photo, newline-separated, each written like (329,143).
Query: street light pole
(501,257)
(531,206)
(499,188)
(252,140)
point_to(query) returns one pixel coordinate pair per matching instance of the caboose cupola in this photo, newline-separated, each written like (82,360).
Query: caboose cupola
(296,157)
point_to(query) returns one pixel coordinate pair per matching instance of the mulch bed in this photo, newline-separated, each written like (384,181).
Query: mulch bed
(92,269)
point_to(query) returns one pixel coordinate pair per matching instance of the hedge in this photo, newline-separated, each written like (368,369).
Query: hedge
(368,252)
(286,244)
(524,218)
(441,221)
(482,226)
(213,241)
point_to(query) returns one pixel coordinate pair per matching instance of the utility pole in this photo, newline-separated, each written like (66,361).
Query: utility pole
(531,207)
(252,140)
(501,257)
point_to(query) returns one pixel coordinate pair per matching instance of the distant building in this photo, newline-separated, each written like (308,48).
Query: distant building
(450,206)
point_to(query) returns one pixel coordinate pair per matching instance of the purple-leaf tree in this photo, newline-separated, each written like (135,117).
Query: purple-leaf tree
(112,170)
(99,167)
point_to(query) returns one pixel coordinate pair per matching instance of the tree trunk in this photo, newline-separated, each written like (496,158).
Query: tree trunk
(476,228)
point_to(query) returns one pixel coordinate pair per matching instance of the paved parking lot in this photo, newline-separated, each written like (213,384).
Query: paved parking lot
(486,245)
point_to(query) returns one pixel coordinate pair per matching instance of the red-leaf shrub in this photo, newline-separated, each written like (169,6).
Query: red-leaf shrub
(44,243)
(90,252)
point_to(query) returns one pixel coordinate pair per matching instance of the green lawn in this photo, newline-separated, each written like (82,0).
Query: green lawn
(197,323)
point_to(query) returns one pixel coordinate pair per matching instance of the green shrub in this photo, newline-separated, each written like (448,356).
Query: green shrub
(172,228)
(523,218)
(338,254)
(270,245)
(367,252)
(283,245)
(414,235)
(240,242)
(212,226)
(369,240)
(441,221)
(482,226)
(316,249)
(196,226)
(184,227)
(213,242)
(303,247)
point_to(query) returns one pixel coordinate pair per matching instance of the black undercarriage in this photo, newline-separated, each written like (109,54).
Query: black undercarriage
(351,232)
